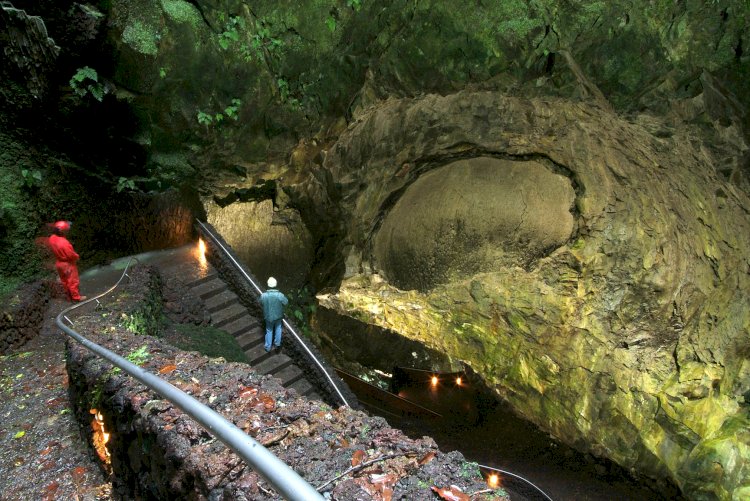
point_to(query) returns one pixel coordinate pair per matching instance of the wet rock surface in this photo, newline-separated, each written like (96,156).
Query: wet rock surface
(44,453)
(627,341)
(22,314)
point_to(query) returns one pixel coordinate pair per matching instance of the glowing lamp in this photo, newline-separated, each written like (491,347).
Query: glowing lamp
(458,381)
(202,262)
(434,380)
(493,481)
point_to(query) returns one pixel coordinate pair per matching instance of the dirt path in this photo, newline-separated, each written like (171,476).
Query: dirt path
(43,455)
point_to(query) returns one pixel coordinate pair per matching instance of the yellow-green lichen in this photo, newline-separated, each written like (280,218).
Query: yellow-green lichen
(142,37)
(181,12)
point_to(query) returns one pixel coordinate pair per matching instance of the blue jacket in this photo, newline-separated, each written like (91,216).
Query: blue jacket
(273,303)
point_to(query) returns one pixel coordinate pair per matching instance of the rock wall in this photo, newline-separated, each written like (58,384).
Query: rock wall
(630,339)
(22,315)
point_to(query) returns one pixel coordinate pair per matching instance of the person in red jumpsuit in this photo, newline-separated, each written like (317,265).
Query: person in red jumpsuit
(66,259)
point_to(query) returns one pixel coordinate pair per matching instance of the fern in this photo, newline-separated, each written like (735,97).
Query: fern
(86,81)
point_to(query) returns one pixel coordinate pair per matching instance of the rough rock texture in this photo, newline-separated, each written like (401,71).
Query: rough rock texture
(271,242)
(28,53)
(22,314)
(631,339)
(157,452)
(470,216)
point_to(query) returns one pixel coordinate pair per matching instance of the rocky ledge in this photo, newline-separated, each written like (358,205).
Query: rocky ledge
(156,451)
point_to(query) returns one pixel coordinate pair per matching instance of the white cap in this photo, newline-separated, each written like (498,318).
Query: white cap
(271,282)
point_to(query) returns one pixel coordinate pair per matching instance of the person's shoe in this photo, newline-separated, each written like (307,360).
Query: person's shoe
(277,350)
(268,350)
(82,298)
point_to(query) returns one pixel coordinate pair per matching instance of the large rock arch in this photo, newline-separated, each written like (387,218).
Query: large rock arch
(631,339)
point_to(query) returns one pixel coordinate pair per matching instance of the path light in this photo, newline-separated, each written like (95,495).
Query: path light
(493,481)
(100,437)
(458,381)
(434,380)
(202,263)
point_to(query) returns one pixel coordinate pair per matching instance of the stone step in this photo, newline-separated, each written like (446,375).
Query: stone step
(229,314)
(250,339)
(273,364)
(257,354)
(210,288)
(201,279)
(289,375)
(220,301)
(302,387)
(238,327)
(313,395)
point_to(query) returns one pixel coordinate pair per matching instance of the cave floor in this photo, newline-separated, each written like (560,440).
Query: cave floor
(43,453)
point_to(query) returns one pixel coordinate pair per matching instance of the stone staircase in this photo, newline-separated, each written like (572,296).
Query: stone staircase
(229,315)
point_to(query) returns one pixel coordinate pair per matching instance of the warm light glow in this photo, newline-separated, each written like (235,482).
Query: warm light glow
(202,256)
(458,381)
(101,437)
(493,481)
(434,380)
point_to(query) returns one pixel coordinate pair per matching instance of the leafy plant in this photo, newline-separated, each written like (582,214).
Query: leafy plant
(302,305)
(139,356)
(354,4)
(250,45)
(470,470)
(205,118)
(231,111)
(124,183)
(31,178)
(86,81)
(331,23)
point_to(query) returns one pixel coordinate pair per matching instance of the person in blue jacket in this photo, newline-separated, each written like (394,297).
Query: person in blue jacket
(273,302)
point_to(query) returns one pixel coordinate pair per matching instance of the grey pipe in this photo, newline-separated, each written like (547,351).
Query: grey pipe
(286,324)
(285,480)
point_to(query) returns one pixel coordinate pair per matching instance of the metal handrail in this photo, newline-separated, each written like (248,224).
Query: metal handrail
(286,324)
(286,481)
(518,477)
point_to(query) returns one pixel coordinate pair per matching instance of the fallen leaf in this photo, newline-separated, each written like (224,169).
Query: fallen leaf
(268,401)
(19,434)
(167,369)
(358,456)
(452,493)
(50,491)
(427,458)
(78,473)
(248,391)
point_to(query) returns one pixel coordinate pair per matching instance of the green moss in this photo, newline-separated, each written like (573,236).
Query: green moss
(181,12)
(207,340)
(141,37)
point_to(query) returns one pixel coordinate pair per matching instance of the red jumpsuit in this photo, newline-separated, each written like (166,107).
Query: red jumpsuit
(66,264)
